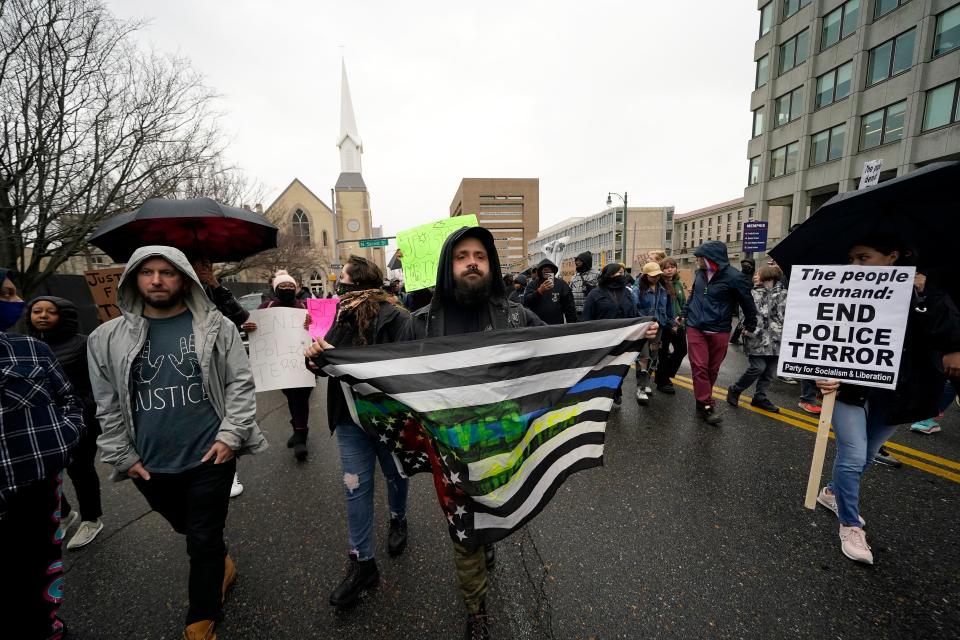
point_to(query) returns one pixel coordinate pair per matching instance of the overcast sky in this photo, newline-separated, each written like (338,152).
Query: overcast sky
(590,97)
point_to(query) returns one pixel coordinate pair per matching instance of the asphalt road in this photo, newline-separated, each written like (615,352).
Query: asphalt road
(688,531)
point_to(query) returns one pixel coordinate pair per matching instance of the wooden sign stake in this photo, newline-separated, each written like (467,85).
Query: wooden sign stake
(820,450)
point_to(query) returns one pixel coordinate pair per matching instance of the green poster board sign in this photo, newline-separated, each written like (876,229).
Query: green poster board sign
(421,247)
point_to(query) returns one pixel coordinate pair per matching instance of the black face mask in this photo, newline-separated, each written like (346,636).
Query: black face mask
(286,296)
(344,288)
(617,282)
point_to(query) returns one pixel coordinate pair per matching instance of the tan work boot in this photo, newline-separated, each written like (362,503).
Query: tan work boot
(202,630)
(229,575)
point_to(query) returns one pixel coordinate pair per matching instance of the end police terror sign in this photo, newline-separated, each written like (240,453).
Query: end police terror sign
(846,323)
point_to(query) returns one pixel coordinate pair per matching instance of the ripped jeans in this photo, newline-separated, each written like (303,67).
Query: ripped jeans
(358,454)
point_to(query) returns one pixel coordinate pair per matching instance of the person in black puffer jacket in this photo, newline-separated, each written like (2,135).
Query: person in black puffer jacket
(548,296)
(55,321)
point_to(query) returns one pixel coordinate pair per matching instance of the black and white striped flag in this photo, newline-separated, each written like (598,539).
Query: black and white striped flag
(500,418)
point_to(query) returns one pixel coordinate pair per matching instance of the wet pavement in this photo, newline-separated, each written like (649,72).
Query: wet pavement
(688,531)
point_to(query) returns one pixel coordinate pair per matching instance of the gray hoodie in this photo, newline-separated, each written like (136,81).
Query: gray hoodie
(227,378)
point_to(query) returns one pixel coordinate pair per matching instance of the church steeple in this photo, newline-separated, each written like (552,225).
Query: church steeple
(349,141)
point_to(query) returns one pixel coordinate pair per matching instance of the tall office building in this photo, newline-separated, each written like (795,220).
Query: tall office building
(839,83)
(508,207)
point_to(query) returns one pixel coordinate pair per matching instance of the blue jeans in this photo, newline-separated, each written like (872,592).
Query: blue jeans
(358,454)
(860,432)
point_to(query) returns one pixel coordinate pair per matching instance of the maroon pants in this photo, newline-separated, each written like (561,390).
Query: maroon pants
(706,352)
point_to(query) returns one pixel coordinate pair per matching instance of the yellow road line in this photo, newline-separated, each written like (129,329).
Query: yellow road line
(943,473)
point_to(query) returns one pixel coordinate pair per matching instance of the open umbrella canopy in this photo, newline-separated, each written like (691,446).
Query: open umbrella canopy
(197,226)
(922,208)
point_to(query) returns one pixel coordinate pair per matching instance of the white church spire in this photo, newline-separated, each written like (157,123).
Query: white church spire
(349,141)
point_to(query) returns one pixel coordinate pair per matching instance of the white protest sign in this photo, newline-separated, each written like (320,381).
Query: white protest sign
(276,349)
(871,173)
(846,323)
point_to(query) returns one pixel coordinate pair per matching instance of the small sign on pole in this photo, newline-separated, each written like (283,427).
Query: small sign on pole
(103,285)
(844,323)
(374,242)
(871,173)
(754,236)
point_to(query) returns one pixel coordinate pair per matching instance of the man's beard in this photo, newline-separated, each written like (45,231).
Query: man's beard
(175,298)
(471,292)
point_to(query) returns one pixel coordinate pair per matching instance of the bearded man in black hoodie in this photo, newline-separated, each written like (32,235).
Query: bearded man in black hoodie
(470,296)
(548,296)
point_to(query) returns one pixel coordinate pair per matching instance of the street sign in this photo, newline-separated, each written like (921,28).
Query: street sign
(374,242)
(754,236)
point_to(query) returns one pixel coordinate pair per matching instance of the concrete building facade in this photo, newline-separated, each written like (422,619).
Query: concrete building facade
(648,229)
(508,207)
(724,222)
(842,82)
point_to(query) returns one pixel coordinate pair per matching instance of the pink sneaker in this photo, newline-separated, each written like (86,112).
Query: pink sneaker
(853,543)
(829,500)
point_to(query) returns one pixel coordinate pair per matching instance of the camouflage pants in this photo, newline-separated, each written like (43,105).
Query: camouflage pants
(471,576)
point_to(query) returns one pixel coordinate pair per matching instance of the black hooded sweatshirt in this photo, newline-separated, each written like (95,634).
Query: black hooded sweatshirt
(70,348)
(445,316)
(554,305)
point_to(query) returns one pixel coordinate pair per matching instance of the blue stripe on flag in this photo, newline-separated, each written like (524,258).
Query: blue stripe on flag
(608,382)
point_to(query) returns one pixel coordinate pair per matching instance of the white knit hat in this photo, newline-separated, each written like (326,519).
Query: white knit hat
(282,276)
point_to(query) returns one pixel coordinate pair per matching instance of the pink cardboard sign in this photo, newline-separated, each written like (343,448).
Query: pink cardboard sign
(322,313)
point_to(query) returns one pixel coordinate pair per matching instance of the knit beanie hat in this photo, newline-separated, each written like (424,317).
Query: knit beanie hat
(282,276)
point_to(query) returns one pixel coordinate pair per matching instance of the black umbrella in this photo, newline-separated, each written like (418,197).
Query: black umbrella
(198,226)
(922,208)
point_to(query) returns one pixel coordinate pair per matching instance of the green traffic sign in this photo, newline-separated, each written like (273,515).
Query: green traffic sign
(374,242)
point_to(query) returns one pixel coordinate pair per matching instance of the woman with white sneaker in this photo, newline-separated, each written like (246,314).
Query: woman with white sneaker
(865,417)
(55,321)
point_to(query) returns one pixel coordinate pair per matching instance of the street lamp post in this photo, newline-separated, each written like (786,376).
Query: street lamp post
(623,234)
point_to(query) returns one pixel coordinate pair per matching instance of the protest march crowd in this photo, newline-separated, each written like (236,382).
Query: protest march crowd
(166,394)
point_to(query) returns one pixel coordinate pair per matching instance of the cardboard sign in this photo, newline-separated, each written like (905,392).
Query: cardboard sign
(686,277)
(421,247)
(103,287)
(871,173)
(322,312)
(846,323)
(276,349)
(754,236)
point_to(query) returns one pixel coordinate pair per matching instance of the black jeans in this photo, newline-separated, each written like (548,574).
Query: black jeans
(673,349)
(83,473)
(762,369)
(298,401)
(195,504)
(31,586)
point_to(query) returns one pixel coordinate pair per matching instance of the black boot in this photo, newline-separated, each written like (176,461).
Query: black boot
(765,404)
(299,439)
(361,575)
(708,414)
(478,624)
(490,555)
(733,395)
(292,440)
(397,538)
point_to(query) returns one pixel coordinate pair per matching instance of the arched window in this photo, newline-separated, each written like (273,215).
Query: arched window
(324,233)
(301,226)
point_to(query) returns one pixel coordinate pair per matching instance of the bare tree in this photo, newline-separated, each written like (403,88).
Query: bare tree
(90,126)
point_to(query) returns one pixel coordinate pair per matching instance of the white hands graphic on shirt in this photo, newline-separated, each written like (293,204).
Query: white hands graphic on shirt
(187,366)
(144,369)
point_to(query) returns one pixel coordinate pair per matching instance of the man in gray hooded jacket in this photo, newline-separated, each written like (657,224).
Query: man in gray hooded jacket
(176,402)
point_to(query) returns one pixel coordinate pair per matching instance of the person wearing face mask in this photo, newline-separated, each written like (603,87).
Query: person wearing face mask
(55,321)
(11,305)
(298,399)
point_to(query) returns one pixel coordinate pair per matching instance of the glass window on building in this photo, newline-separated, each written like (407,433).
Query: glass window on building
(947,34)
(827,145)
(757,122)
(784,159)
(794,51)
(766,18)
(834,85)
(763,71)
(883,7)
(790,7)
(882,126)
(754,176)
(941,107)
(890,58)
(839,23)
(788,107)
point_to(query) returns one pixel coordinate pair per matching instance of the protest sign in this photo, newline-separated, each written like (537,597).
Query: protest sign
(754,236)
(103,287)
(843,323)
(846,323)
(421,247)
(871,173)
(276,349)
(686,277)
(322,313)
